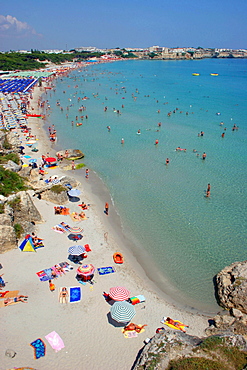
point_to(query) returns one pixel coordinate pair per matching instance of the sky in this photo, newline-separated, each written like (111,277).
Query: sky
(68,24)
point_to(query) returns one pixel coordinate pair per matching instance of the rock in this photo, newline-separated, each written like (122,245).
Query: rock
(72,154)
(174,345)
(12,166)
(7,237)
(223,321)
(25,213)
(66,180)
(236,313)
(5,220)
(232,286)
(57,198)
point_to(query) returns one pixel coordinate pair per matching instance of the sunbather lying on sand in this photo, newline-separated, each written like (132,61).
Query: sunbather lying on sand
(19,298)
(133,327)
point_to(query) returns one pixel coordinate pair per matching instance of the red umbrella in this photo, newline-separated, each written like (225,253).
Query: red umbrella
(50,159)
(86,270)
(119,293)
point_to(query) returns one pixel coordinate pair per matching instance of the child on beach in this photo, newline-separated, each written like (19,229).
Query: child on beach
(51,286)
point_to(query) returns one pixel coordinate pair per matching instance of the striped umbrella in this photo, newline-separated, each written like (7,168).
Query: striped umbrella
(76,250)
(119,293)
(75,230)
(86,270)
(122,312)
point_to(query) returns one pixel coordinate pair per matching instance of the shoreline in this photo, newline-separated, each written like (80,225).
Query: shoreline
(97,190)
(92,310)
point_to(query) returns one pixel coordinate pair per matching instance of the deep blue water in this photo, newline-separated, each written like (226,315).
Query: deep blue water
(189,237)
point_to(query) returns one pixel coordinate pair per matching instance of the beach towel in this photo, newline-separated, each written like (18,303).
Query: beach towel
(55,341)
(138,299)
(9,294)
(74,217)
(105,270)
(59,229)
(39,348)
(132,333)
(45,274)
(74,294)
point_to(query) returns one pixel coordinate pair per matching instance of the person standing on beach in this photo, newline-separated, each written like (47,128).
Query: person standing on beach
(106,208)
(73,165)
(87,173)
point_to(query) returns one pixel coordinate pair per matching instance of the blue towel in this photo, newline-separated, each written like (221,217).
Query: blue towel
(74,294)
(39,348)
(105,270)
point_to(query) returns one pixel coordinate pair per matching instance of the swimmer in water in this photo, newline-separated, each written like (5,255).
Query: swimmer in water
(167,161)
(122,140)
(139,131)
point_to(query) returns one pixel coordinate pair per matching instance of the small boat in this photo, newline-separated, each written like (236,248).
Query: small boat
(79,124)
(214,74)
(195,74)
(34,115)
(118,257)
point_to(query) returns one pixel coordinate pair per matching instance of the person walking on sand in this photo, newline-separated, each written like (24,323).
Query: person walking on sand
(106,208)
(87,173)
(73,165)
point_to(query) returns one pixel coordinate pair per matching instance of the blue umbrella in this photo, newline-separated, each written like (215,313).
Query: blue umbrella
(74,192)
(76,250)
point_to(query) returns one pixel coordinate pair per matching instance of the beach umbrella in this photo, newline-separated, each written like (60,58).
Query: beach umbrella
(74,192)
(86,270)
(75,230)
(75,237)
(119,293)
(76,250)
(50,160)
(122,311)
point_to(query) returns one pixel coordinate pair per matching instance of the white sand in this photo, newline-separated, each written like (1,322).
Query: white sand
(91,342)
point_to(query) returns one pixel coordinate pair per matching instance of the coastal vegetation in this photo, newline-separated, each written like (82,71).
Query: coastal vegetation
(10,157)
(38,59)
(214,353)
(10,182)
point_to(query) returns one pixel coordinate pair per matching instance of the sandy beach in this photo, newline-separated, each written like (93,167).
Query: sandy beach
(90,339)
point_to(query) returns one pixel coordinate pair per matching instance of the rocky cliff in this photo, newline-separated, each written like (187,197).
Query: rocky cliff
(176,350)
(232,286)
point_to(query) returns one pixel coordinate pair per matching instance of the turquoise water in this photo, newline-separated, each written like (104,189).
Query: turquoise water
(189,237)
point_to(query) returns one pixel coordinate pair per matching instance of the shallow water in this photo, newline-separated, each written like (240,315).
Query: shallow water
(189,237)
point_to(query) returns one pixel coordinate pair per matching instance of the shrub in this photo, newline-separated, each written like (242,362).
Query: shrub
(15,203)
(79,165)
(6,144)
(18,230)
(196,363)
(1,208)
(10,182)
(10,157)
(58,189)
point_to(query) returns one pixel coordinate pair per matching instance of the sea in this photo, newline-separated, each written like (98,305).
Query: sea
(188,236)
